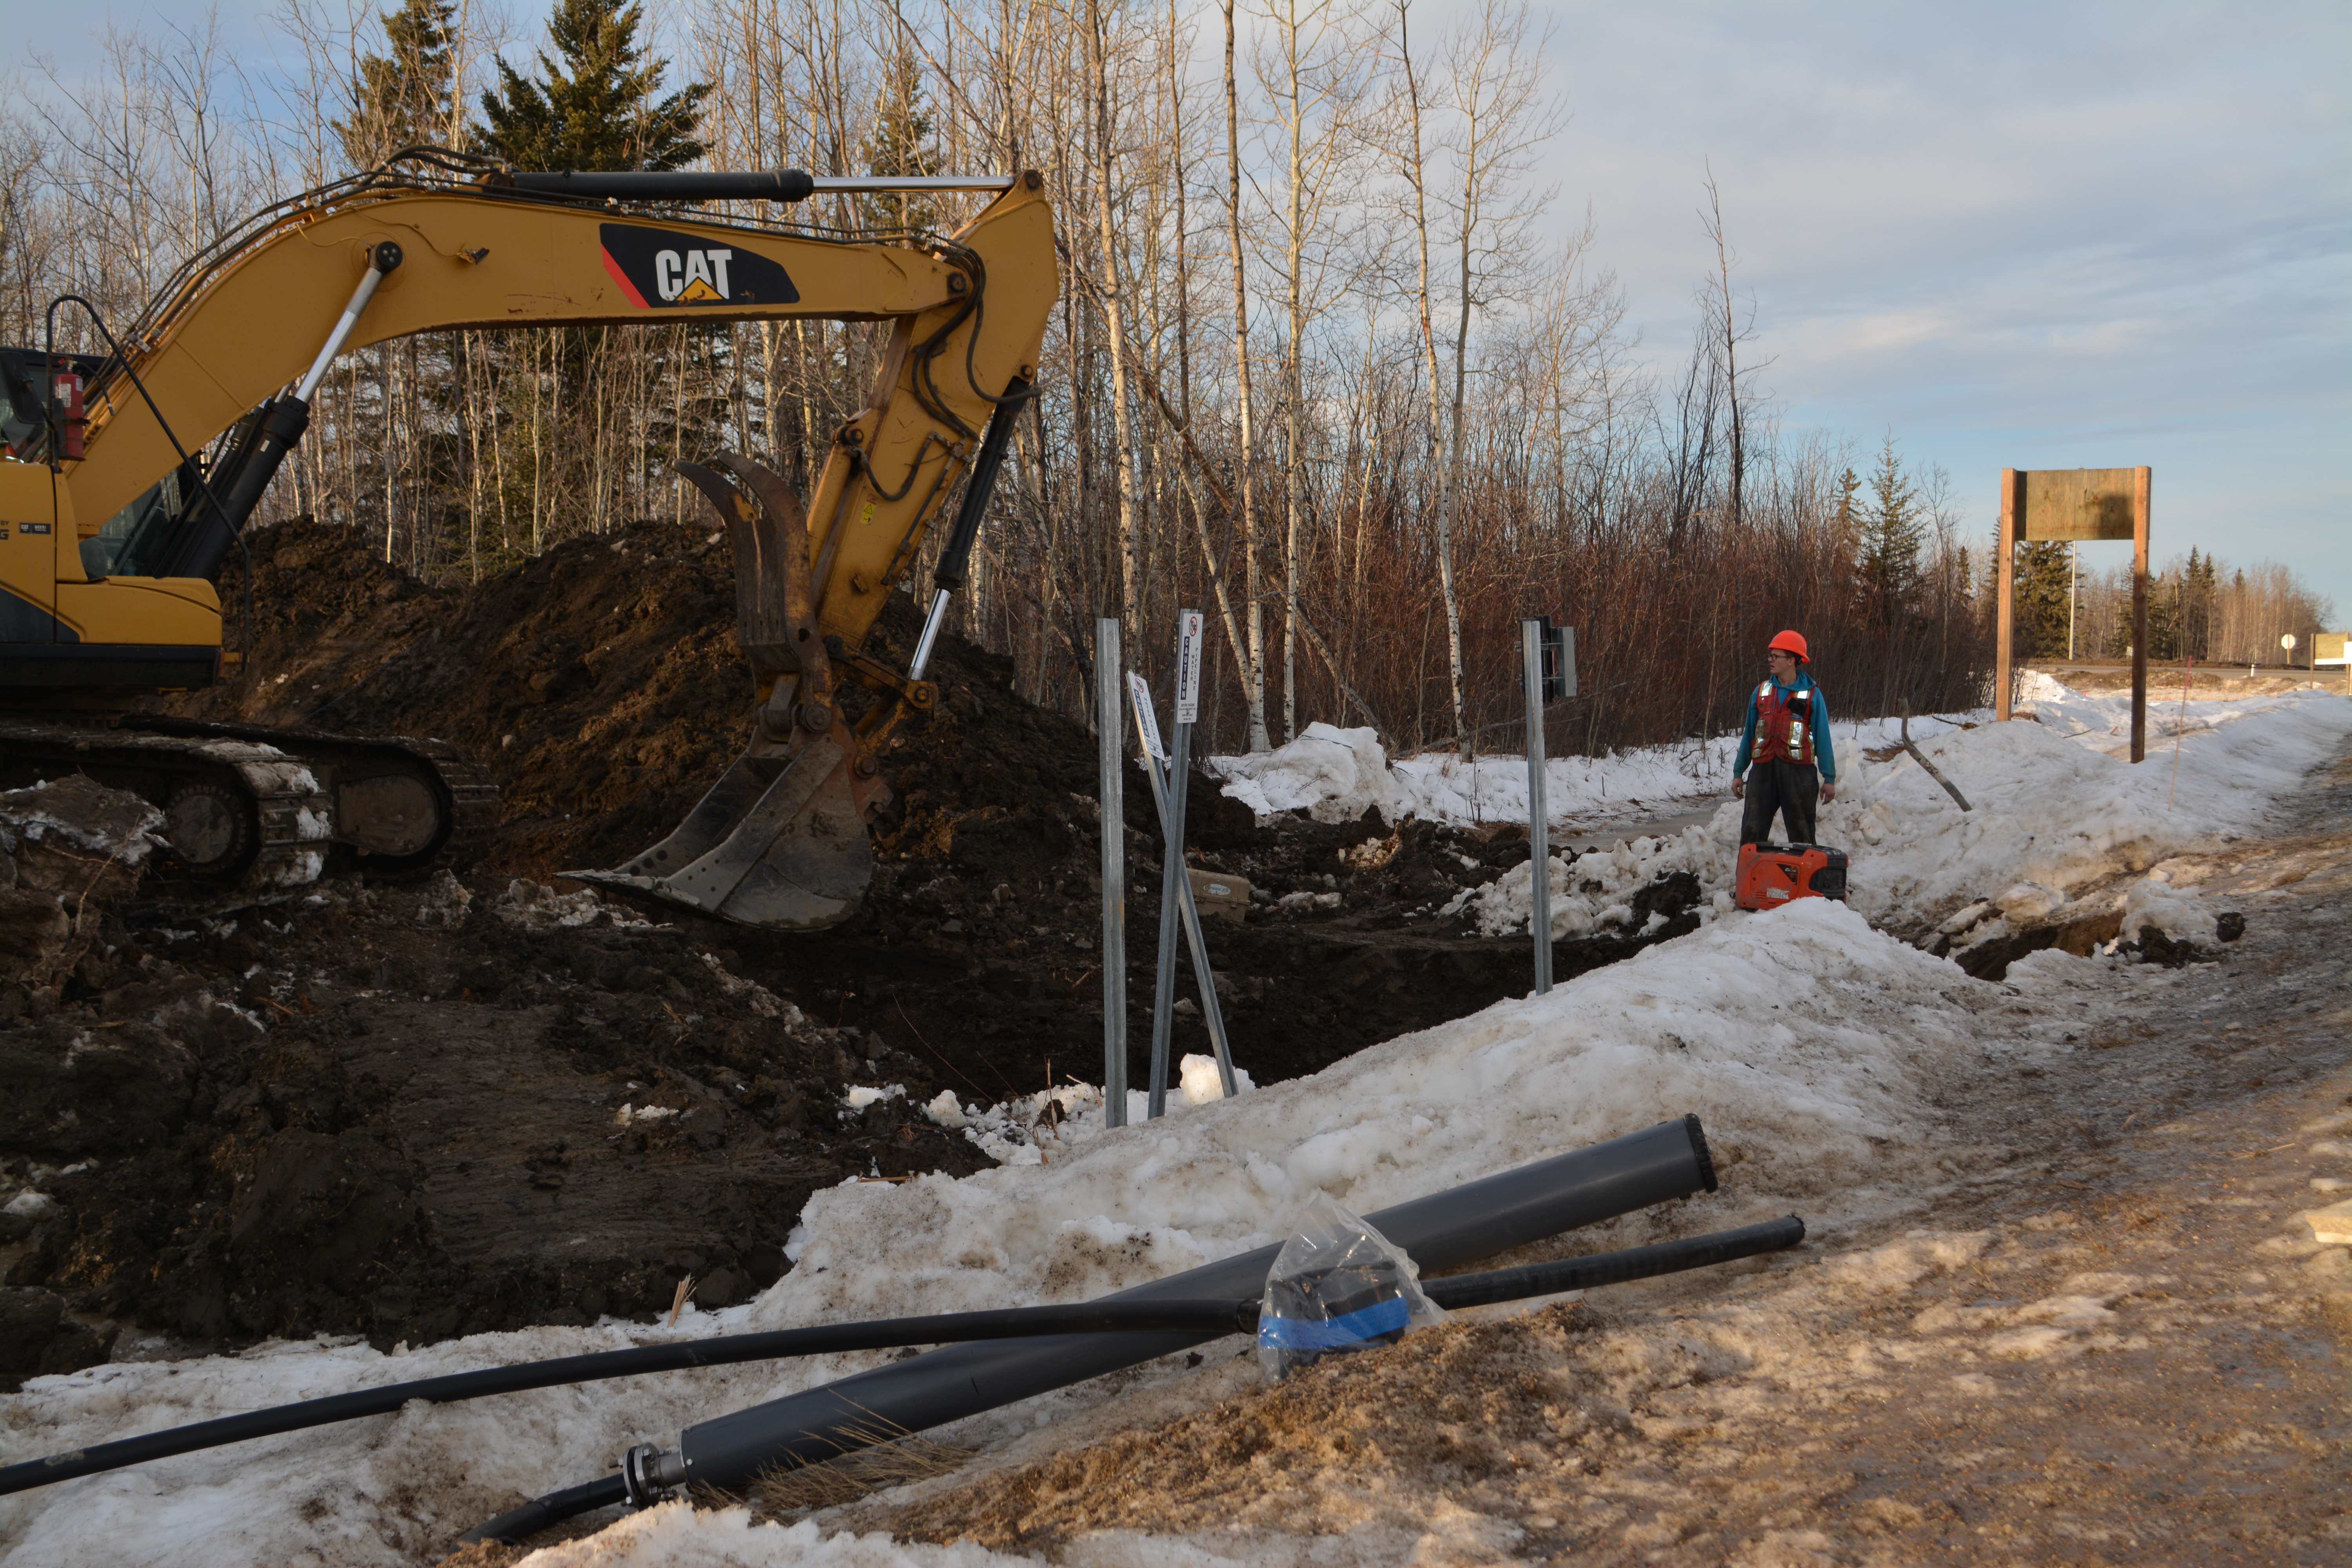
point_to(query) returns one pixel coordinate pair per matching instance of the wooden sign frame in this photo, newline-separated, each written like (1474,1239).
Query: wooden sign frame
(2077,503)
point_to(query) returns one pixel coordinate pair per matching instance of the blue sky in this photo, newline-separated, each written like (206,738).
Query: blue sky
(2038,235)
(2023,236)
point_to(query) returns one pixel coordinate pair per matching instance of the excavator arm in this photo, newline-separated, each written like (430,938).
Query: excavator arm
(241,345)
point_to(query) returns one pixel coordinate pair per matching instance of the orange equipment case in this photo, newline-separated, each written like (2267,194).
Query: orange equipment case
(1772,874)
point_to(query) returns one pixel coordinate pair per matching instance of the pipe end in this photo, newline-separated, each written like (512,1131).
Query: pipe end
(1699,1150)
(510,1529)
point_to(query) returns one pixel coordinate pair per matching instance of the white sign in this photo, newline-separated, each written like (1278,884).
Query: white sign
(1146,724)
(2287,642)
(1187,667)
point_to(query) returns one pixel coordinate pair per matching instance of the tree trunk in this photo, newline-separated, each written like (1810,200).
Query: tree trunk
(1253,677)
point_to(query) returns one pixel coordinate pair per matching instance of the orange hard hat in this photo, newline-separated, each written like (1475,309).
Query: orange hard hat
(1792,642)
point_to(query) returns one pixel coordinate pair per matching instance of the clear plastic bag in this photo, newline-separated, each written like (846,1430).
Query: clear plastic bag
(1338,1286)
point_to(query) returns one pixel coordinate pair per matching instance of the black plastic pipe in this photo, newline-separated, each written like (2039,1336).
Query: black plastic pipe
(1614,1267)
(1461,1291)
(1214,1316)
(1220,1316)
(1476,1220)
(1661,1162)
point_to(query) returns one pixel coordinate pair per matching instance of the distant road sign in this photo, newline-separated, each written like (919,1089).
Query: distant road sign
(2078,503)
(2287,642)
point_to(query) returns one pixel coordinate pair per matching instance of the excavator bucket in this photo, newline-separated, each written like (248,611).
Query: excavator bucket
(780,841)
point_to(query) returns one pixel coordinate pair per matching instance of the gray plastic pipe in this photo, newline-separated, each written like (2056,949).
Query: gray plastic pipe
(1476,1220)
(1441,1231)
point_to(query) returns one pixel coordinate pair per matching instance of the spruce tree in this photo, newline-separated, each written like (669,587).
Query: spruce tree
(2164,617)
(2043,586)
(1845,521)
(1892,532)
(596,109)
(903,142)
(406,95)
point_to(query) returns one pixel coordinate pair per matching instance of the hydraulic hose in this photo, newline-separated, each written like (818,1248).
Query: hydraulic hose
(1475,1220)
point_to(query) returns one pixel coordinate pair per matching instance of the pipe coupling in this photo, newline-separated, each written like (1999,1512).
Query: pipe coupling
(649,1475)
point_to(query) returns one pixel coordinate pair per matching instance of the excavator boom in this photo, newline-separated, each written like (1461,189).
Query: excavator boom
(109,536)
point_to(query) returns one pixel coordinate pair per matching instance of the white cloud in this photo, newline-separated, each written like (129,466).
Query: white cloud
(2012,235)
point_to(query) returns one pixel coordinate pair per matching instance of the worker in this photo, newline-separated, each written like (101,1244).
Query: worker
(1788,738)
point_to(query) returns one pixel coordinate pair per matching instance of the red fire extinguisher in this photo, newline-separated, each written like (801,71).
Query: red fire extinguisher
(65,403)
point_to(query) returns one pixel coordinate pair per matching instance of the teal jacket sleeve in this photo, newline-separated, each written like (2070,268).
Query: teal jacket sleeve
(1823,758)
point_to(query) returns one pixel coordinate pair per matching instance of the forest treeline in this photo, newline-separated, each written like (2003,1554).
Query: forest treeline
(2199,608)
(1327,364)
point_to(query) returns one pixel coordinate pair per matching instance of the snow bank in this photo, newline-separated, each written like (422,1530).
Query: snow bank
(2054,810)
(2178,912)
(1595,892)
(1336,775)
(2034,686)
(1811,1044)
(2062,805)
(1442,787)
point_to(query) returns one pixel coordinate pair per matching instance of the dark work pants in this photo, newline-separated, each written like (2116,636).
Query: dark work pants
(1790,788)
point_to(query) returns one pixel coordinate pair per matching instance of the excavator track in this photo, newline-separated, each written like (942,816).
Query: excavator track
(264,809)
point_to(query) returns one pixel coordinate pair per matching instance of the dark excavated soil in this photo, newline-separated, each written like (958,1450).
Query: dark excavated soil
(364,1110)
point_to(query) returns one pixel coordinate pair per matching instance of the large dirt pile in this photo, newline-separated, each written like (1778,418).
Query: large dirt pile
(601,684)
(600,681)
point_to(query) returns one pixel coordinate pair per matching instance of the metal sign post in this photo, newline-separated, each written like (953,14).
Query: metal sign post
(1169,787)
(1534,633)
(1113,825)
(1172,802)
(1212,1014)
(1171,871)
(1191,651)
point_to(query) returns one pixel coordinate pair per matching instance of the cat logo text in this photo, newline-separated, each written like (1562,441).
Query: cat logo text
(661,269)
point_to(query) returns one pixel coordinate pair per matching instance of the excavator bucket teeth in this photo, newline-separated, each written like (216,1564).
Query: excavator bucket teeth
(780,840)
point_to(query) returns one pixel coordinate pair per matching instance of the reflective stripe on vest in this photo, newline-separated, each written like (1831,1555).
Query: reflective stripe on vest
(1784,729)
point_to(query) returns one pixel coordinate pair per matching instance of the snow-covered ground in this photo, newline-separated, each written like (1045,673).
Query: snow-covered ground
(1815,1049)
(1798,1042)
(1335,773)
(2056,807)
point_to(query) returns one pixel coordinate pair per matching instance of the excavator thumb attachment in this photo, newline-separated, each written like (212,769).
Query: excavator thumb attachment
(780,840)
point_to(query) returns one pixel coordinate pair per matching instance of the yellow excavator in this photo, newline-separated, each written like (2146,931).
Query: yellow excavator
(127,479)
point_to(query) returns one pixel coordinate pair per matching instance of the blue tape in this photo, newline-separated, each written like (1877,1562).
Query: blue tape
(1389,1316)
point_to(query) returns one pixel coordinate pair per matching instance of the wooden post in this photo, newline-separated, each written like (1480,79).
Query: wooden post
(2140,487)
(2005,594)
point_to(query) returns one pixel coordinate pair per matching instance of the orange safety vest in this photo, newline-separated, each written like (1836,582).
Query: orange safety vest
(1784,724)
